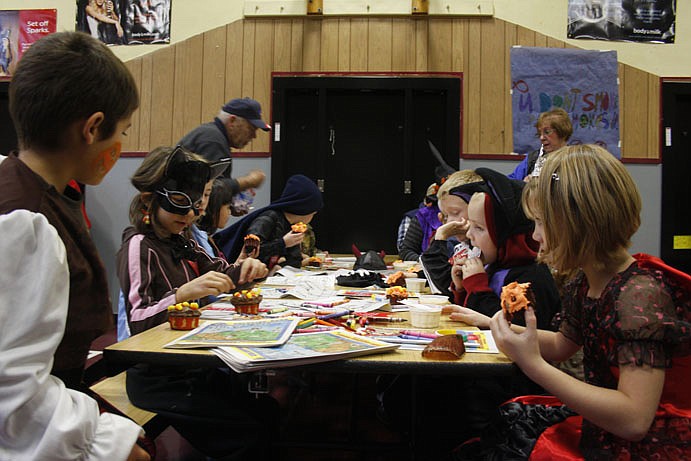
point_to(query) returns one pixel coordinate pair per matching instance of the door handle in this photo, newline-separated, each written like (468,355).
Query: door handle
(407,187)
(332,140)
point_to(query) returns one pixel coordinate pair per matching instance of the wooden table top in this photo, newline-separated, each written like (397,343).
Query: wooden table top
(147,347)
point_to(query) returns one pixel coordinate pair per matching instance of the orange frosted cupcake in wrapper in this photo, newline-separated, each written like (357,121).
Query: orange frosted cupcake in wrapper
(247,301)
(396,279)
(299,227)
(516,297)
(251,243)
(396,294)
(184,316)
(314,261)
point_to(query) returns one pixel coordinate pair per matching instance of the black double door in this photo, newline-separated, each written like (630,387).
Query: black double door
(675,239)
(364,142)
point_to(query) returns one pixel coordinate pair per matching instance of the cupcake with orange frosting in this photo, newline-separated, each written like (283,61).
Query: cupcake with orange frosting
(396,294)
(184,316)
(299,227)
(247,301)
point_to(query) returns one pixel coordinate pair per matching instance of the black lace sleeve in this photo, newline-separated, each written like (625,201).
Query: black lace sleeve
(648,329)
(572,311)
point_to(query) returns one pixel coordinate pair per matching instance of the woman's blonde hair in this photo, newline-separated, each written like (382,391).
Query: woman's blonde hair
(456,179)
(146,180)
(589,204)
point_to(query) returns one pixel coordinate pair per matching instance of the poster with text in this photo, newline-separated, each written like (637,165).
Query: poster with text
(18,30)
(626,20)
(125,22)
(582,82)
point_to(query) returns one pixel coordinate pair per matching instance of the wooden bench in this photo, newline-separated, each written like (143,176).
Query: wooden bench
(113,391)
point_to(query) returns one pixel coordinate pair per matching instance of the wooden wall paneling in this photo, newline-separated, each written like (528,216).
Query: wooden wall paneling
(421,44)
(145,112)
(213,73)
(458,43)
(636,107)
(554,43)
(190,81)
(440,44)
(622,115)
(282,48)
(130,143)
(344,45)
(248,56)
(540,39)
(234,63)
(187,90)
(492,87)
(163,82)
(358,44)
(311,50)
(654,117)
(472,89)
(464,43)
(525,37)
(263,63)
(329,44)
(379,41)
(402,45)
(297,27)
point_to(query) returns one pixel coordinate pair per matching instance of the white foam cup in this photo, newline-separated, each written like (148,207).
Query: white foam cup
(415,285)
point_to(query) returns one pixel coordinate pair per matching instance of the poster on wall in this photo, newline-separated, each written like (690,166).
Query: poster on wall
(582,82)
(125,22)
(626,20)
(18,30)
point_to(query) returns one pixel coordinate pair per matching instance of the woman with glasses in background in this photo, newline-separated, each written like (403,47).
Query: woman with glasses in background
(553,129)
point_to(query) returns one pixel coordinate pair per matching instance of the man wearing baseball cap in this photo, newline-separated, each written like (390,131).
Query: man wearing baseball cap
(235,126)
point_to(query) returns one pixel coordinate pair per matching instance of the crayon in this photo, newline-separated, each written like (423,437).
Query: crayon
(333,315)
(419,338)
(386,319)
(420,334)
(324,304)
(316,330)
(325,323)
(306,323)
(273,310)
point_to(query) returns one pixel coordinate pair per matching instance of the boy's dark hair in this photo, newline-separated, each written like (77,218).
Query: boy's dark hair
(64,78)
(221,194)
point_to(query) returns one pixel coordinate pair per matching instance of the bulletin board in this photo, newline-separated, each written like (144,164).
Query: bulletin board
(582,82)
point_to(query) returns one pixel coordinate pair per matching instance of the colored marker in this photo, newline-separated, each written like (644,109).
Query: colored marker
(419,334)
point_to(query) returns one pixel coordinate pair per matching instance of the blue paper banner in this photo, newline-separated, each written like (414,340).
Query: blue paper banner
(582,82)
